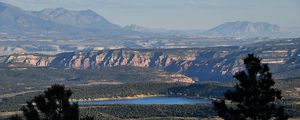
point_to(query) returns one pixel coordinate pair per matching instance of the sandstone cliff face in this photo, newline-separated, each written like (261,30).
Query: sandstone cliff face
(175,61)
(28,59)
(152,59)
(217,63)
(191,62)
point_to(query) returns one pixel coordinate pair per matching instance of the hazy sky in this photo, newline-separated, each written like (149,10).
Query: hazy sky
(179,14)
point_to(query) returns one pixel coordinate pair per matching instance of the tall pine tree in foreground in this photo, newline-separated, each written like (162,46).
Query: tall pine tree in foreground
(254,96)
(53,105)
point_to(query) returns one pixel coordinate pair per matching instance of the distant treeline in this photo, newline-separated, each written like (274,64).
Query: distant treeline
(23,79)
(120,73)
(199,90)
(125,90)
(173,89)
(146,111)
(122,90)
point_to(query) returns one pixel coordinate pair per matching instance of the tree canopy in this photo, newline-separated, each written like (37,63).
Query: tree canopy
(52,105)
(254,96)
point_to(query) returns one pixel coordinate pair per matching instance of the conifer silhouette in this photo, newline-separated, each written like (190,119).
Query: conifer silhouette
(253,97)
(53,105)
(15,117)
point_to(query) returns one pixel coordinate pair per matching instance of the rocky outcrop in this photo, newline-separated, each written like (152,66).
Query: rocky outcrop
(171,60)
(137,58)
(218,63)
(177,78)
(28,60)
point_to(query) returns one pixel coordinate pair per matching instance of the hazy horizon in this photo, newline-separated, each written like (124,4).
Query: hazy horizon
(180,15)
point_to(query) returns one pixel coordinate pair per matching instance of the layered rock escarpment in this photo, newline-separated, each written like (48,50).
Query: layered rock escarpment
(190,62)
(17,60)
(217,63)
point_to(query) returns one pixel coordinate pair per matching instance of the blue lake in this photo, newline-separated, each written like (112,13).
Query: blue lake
(150,100)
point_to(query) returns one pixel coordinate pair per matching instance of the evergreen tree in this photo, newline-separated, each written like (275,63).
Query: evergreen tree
(53,105)
(254,96)
(15,117)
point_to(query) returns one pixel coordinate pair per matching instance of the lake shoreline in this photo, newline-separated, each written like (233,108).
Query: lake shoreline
(144,99)
(114,98)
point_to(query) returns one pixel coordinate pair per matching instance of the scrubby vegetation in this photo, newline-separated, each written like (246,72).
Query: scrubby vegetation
(21,79)
(96,91)
(123,90)
(146,111)
(120,73)
(199,90)
(78,80)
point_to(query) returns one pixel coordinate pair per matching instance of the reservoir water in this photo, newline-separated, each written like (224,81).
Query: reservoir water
(150,100)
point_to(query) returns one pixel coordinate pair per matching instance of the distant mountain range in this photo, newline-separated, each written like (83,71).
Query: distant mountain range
(244,29)
(65,23)
(247,29)
(57,23)
(86,19)
(14,20)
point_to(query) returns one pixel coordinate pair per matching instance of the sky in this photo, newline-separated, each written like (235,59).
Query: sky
(179,14)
